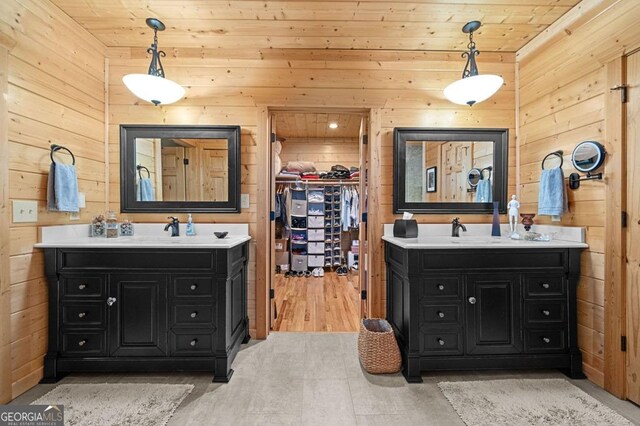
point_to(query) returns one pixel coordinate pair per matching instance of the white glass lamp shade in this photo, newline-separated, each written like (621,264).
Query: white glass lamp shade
(157,90)
(473,90)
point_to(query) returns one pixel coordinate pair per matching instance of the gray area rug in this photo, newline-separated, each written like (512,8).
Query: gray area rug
(116,403)
(527,402)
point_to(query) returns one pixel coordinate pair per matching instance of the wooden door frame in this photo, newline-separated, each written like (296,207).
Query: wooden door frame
(5,221)
(615,242)
(264,245)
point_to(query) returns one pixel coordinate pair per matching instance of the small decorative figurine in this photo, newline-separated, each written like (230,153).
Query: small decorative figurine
(527,220)
(513,207)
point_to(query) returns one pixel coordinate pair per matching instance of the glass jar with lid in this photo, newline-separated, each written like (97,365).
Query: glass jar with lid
(112,224)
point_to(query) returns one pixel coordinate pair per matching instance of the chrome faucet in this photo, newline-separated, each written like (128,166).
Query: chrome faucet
(455,227)
(174,225)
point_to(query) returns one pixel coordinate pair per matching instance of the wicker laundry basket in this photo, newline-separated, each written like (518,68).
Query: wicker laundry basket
(377,347)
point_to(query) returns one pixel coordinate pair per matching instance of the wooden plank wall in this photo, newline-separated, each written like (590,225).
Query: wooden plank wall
(229,87)
(562,102)
(55,95)
(324,152)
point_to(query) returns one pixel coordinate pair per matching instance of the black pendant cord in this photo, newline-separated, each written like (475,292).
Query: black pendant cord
(155,67)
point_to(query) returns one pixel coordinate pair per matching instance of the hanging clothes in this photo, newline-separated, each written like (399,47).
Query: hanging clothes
(355,208)
(346,206)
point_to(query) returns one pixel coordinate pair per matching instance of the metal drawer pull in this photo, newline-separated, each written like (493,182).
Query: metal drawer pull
(545,285)
(440,342)
(194,342)
(441,314)
(111,301)
(194,314)
(472,300)
(82,342)
(440,287)
(82,314)
(546,339)
(546,312)
(82,286)
(193,286)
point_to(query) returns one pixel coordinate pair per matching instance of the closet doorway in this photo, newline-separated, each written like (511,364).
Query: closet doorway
(633,230)
(319,182)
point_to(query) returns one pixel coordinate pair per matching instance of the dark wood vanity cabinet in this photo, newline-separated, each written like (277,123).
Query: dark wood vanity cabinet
(142,310)
(461,309)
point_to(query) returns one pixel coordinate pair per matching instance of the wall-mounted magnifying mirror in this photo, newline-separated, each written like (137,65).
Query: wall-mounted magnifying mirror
(587,156)
(473,177)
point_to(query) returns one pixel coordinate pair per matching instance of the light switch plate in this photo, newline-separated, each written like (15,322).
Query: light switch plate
(82,200)
(25,211)
(244,201)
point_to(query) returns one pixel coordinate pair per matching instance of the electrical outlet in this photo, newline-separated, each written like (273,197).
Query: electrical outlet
(25,211)
(74,215)
(244,201)
(82,201)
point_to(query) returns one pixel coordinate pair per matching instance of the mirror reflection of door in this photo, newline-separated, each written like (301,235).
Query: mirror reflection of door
(185,169)
(214,160)
(457,159)
(173,174)
(453,161)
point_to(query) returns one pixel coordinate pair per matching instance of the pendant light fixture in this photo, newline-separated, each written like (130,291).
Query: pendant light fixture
(154,87)
(472,88)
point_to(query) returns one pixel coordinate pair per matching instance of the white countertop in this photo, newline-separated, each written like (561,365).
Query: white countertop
(147,235)
(478,236)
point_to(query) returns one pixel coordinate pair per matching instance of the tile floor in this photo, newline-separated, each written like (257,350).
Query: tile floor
(315,378)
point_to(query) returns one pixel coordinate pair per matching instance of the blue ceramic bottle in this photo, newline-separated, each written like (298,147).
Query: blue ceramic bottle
(495,228)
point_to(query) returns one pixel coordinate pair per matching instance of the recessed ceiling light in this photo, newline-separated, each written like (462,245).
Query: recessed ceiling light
(333,125)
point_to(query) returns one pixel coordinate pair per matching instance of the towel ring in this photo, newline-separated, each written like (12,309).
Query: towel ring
(55,148)
(140,168)
(490,169)
(558,154)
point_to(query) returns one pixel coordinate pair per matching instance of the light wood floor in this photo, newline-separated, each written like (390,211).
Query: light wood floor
(329,303)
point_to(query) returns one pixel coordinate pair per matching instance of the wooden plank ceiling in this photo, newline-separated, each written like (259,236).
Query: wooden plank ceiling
(341,24)
(316,125)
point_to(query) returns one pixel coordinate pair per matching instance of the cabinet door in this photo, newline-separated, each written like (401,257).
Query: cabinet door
(493,323)
(138,316)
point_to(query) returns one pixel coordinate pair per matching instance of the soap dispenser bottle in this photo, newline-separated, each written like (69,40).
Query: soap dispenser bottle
(190,229)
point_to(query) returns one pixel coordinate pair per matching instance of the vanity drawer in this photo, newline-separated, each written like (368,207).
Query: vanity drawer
(93,343)
(192,286)
(441,314)
(84,314)
(442,342)
(193,315)
(539,312)
(192,342)
(83,285)
(544,341)
(544,285)
(445,286)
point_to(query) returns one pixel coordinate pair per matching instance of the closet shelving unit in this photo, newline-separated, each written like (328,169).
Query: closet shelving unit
(299,232)
(316,239)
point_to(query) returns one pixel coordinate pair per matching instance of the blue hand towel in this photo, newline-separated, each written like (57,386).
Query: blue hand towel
(62,188)
(552,196)
(145,190)
(483,191)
